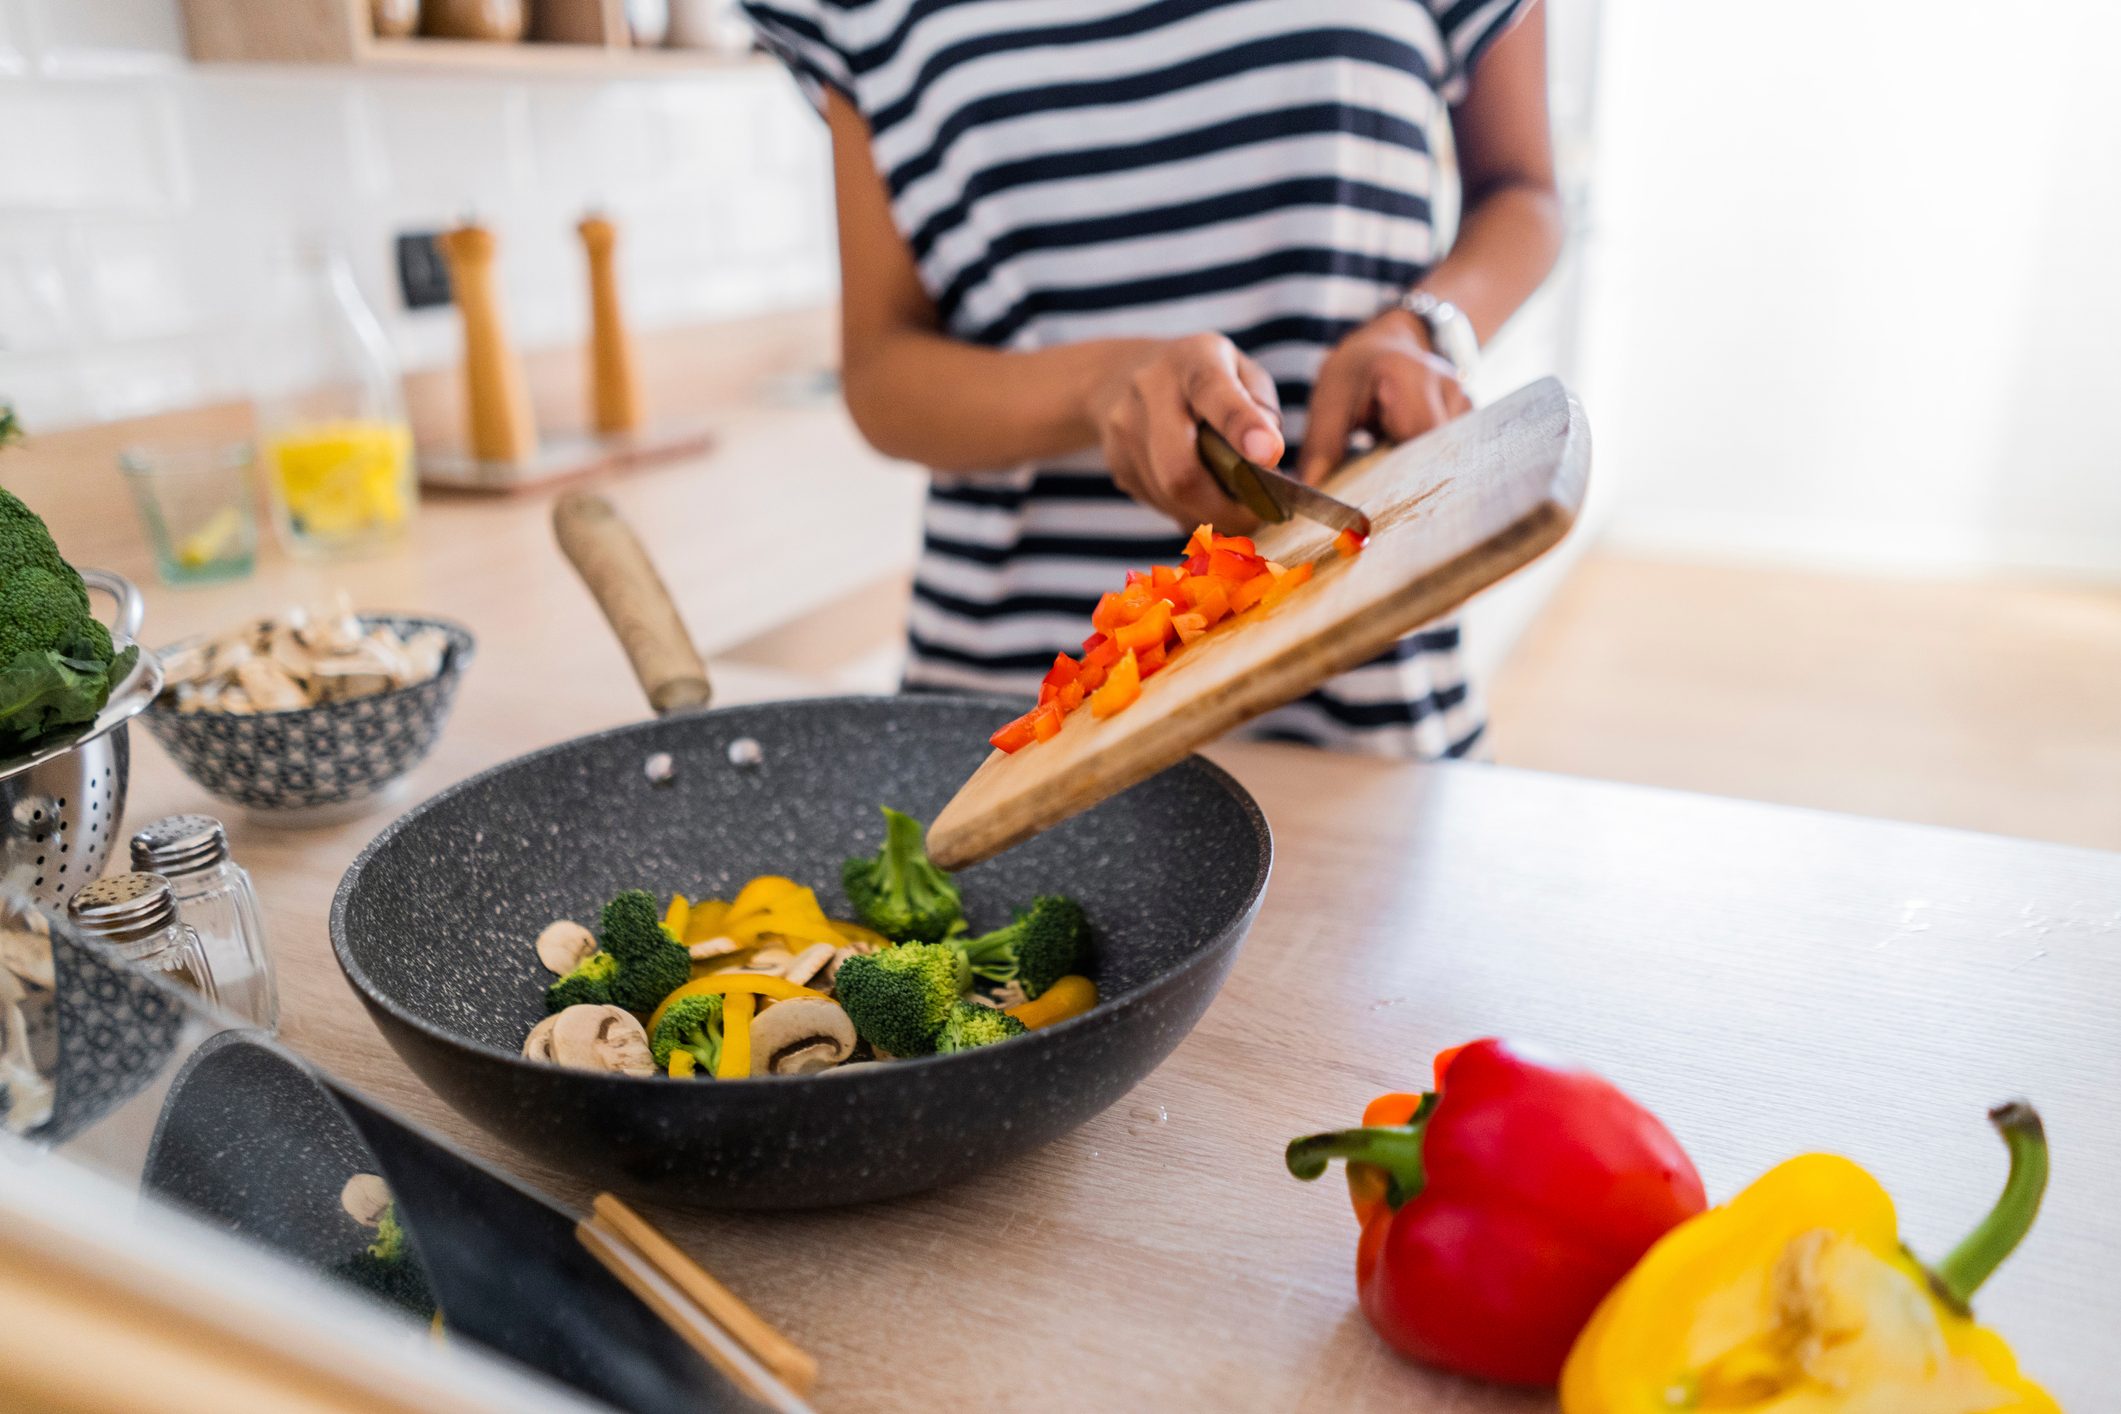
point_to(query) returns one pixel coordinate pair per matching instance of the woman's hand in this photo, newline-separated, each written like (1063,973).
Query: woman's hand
(1145,410)
(1384,378)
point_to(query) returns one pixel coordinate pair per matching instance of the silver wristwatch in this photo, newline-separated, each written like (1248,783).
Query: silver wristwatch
(1450,332)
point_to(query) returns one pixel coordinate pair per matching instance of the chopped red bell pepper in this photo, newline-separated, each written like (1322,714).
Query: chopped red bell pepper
(1064,669)
(1233,567)
(1210,598)
(1046,722)
(1120,689)
(1499,1209)
(1148,631)
(1349,544)
(1072,695)
(1189,626)
(1237,544)
(1015,736)
(1250,592)
(1201,541)
(1287,583)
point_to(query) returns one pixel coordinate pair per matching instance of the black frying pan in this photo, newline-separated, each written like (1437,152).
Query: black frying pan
(434,923)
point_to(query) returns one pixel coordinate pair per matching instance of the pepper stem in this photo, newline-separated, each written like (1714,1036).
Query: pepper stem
(1394,1148)
(1974,1260)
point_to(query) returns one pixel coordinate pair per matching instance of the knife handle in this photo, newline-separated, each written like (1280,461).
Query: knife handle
(1234,474)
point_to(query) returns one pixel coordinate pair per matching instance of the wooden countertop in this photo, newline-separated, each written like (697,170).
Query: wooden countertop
(1769,980)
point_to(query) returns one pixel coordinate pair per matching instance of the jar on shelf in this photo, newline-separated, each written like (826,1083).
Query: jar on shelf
(135,916)
(214,895)
(334,441)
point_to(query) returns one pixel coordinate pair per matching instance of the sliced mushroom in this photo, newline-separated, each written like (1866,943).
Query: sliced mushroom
(832,969)
(602,1038)
(769,961)
(364,1198)
(807,963)
(538,1044)
(708,948)
(563,945)
(800,1036)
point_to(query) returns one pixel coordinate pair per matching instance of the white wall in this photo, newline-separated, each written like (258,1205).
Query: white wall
(1856,292)
(140,198)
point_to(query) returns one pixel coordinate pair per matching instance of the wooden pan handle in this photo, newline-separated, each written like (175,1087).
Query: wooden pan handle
(609,557)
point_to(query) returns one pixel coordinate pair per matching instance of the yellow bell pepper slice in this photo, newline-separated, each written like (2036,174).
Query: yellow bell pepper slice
(801,926)
(682,1064)
(730,984)
(856,933)
(1797,1295)
(705,920)
(735,1060)
(759,895)
(675,915)
(1070,996)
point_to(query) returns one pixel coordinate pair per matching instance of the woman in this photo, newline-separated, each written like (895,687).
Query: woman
(1070,228)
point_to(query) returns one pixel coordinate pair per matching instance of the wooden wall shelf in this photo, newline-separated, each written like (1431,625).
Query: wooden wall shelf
(569,39)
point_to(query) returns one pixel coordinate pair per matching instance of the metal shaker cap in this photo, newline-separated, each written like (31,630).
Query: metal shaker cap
(179,844)
(124,908)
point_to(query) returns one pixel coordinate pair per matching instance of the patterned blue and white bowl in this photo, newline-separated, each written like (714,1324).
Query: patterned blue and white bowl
(314,765)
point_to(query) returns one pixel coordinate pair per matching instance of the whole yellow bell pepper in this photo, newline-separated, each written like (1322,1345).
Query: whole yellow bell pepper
(1796,1297)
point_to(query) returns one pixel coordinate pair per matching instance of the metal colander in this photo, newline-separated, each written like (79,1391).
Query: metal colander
(60,808)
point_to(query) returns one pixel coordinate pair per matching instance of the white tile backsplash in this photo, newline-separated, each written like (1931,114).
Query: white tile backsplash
(145,198)
(105,36)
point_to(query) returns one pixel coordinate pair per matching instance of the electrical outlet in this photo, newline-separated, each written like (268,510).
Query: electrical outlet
(422,277)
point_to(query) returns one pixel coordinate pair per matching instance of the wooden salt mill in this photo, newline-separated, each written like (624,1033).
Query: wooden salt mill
(614,394)
(496,397)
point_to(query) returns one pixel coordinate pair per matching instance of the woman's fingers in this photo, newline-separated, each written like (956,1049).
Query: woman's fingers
(1415,392)
(1223,389)
(1340,401)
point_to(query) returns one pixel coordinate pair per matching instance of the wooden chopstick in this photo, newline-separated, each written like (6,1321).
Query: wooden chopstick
(789,1363)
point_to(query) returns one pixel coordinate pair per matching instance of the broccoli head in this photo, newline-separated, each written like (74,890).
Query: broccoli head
(898,998)
(651,963)
(1043,945)
(387,1268)
(899,892)
(970,1024)
(56,661)
(588,985)
(692,1024)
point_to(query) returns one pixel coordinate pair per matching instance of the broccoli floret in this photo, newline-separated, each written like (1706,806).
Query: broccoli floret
(387,1268)
(692,1024)
(898,998)
(899,892)
(1043,945)
(652,964)
(56,661)
(588,985)
(970,1024)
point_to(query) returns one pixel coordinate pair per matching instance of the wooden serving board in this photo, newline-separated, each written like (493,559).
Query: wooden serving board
(1452,512)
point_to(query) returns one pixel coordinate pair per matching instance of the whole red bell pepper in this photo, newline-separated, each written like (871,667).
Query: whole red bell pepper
(1498,1209)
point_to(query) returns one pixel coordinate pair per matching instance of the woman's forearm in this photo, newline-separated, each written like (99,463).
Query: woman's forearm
(953,406)
(1507,243)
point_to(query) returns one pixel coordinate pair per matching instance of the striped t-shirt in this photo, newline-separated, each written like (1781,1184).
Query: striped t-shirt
(1082,169)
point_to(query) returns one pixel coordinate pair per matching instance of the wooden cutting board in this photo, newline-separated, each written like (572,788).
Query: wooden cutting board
(1452,512)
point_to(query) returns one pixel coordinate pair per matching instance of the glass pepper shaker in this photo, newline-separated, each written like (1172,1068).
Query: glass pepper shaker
(215,896)
(135,916)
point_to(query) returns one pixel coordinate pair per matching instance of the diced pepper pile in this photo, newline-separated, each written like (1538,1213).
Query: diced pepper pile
(1143,626)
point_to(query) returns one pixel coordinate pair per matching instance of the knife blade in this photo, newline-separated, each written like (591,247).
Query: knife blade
(1273,496)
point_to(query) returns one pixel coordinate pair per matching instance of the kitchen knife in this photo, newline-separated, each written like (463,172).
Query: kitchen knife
(1273,496)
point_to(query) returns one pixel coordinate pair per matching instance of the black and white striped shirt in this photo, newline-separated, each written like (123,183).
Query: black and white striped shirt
(1082,169)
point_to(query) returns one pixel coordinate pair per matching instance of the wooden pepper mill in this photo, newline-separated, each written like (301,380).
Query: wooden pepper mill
(496,397)
(614,394)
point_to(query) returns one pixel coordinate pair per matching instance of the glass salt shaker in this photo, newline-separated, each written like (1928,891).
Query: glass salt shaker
(135,916)
(215,897)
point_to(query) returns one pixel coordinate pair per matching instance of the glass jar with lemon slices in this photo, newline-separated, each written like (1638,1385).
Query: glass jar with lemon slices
(334,444)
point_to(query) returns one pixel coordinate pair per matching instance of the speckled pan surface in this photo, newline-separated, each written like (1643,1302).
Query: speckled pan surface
(433,925)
